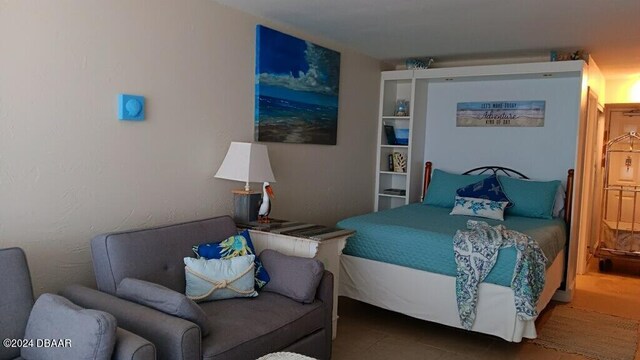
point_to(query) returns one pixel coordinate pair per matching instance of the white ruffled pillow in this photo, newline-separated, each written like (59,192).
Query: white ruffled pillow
(479,207)
(216,279)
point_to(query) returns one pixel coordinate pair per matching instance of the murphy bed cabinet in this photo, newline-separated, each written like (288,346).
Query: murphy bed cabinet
(431,124)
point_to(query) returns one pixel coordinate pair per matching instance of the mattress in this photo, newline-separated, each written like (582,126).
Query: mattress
(421,237)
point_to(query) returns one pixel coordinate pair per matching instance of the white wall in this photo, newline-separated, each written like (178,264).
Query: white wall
(623,90)
(544,153)
(70,170)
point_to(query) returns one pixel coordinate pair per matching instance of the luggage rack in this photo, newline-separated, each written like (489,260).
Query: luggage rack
(619,238)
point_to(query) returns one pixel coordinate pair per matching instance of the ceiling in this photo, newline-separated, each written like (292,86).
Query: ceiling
(456,30)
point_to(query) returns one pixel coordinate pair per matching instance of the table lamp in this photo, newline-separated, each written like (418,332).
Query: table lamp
(247,162)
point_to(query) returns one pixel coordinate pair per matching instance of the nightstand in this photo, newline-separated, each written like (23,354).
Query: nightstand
(304,240)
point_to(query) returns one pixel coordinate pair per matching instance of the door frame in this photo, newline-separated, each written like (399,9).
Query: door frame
(590,161)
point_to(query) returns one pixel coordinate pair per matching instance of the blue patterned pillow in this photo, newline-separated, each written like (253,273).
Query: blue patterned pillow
(489,189)
(237,245)
(479,207)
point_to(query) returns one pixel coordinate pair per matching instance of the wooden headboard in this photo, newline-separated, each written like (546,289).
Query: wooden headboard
(498,170)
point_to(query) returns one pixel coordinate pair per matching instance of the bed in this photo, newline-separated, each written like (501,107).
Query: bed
(402,260)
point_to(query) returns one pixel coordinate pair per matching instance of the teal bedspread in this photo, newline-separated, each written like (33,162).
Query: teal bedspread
(421,237)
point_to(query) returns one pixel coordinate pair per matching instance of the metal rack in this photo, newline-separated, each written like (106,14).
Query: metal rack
(620,236)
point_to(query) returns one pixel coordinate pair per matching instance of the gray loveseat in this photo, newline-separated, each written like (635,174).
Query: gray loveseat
(241,328)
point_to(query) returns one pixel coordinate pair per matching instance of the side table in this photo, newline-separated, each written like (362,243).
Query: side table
(304,240)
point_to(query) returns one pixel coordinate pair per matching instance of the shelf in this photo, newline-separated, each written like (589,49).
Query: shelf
(393,173)
(394,146)
(393,196)
(396,117)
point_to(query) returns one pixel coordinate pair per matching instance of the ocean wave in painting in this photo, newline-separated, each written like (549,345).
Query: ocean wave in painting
(290,121)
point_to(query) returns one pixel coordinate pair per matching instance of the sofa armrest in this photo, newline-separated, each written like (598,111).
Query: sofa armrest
(325,294)
(130,346)
(174,338)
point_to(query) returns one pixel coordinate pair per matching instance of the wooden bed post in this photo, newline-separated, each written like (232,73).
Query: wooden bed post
(427,179)
(568,199)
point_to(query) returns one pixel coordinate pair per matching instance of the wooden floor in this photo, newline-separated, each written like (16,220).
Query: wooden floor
(367,332)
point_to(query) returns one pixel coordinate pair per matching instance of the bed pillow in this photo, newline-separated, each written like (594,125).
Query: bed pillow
(558,203)
(237,245)
(443,186)
(479,207)
(489,189)
(217,279)
(533,199)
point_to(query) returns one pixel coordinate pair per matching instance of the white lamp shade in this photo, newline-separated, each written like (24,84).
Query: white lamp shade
(246,162)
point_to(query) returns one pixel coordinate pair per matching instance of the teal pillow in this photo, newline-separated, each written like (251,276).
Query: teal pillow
(443,187)
(533,199)
(216,279)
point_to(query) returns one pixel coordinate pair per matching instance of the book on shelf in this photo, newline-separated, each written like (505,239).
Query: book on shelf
(392,191)
(391,134)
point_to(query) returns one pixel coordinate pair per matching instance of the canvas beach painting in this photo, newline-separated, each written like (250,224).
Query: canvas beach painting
(296,90)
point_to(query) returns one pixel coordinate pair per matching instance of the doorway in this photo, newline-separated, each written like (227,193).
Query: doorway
(615,120)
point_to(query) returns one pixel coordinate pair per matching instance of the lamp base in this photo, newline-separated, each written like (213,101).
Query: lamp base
(245,206)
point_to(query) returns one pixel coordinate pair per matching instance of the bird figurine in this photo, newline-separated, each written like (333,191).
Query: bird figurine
(265,204)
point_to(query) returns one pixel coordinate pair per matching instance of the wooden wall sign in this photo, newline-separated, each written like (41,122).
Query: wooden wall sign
(501,114)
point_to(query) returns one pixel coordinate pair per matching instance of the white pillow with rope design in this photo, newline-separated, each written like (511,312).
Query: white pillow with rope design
(216,279)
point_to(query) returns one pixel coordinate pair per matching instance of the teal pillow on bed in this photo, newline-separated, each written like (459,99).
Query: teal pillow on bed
(443,186)
(533,199)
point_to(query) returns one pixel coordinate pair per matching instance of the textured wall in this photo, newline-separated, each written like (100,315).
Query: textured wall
(69,169)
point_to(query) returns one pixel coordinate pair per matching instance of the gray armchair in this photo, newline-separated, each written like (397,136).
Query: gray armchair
(239,328)
(86,334)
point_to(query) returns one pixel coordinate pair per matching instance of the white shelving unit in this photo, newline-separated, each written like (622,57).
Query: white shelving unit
(394,86)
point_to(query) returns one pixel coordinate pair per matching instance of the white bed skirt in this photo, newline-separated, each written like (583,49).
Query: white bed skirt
(432,297)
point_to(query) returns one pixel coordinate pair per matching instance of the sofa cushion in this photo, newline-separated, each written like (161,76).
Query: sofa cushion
(163,299)
(259,325)
(154,254)
(292,276)
(79,333)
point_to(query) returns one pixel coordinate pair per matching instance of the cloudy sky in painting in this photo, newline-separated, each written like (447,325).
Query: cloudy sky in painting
(294,64)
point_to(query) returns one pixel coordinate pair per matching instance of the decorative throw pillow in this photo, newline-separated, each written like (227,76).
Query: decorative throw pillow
(489,189)
(531,198)
(237,245)
(163,299)
(217,279)
(479,207)
(72,332)
(558,202)
(292,276)
(443,187)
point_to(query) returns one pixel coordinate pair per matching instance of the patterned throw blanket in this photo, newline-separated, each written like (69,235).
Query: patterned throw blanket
(476,252)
